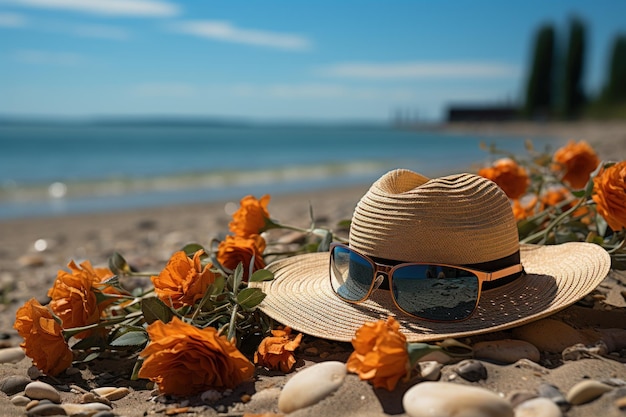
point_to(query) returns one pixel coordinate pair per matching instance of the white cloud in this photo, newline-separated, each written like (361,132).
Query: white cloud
(12,20)
(38,57)
(136,8)
(419,70)
(172,89)
(225,31)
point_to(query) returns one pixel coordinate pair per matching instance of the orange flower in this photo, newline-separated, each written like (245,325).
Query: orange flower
(73,296)
(43,338)
(610,195)
(235,249)
(276,351)
(183,359)
(183,281)
(380,353)
(512,178)
(523,211)
(251,218)
(578,161)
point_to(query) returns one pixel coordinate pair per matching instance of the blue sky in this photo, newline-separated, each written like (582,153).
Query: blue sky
(279,60)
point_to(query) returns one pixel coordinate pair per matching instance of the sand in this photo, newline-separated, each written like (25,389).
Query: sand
(148,237)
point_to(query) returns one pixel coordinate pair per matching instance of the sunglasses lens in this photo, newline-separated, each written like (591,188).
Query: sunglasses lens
(435,292)
(350,274)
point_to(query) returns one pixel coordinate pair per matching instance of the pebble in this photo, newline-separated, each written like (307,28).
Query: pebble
(506,351)
(549,335)
(446,399)
(538,407)
(39,390)
(471,370)
(430,370)
(111,393)
(20,400)
(72,409)
(586,391)
(46,410)
(311,385)
(11,355)
(14,384)
(621,403)
(553,394)
(518,397)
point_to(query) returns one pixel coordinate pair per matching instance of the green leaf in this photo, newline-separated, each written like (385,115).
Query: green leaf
(579,193)
(248,298)
(261,275)
(154,309)
(131,338)
(236,278)
(118,265)
(191,248)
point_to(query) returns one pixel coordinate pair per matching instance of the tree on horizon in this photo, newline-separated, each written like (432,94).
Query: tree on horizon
(539,92)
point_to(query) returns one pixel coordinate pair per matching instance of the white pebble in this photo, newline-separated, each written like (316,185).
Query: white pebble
(89,409)
(11,355)
(311,385)
(20,400)
(446,399)
(210,396)
(538,407)
(38,390)
(586,391)
(430,370)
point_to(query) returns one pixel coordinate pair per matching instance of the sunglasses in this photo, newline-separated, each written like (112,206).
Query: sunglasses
(428,291)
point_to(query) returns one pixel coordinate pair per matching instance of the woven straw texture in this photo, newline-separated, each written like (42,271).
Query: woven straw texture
(458,219)
(557,276)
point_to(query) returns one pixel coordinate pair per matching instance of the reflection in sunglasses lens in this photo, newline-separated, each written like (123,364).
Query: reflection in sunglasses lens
(435,292)
(351,274)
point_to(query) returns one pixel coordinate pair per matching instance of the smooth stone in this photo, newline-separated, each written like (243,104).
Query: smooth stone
(84,409)
(46,410)
(446,399)
(550,335)
(105,414)
(20,400)
(586,391)
(117,393)
(39,390)
(553,394)
(506,351)
(538,407)
(311,385)
(102,391)
(471,370)
(12,355)
(14,384)
(430,370)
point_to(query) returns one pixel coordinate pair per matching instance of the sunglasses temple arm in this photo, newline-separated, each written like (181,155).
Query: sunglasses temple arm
(492,276)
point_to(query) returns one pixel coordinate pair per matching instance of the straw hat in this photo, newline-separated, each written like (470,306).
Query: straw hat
(460,220)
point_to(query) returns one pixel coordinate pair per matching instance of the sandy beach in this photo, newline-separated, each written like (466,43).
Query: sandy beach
(33,250)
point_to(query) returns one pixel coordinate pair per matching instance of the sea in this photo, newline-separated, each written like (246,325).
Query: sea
(51,169)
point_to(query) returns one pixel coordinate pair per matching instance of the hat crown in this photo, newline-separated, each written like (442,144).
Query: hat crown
(458,219)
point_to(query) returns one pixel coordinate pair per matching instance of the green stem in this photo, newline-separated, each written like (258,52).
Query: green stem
(232,325)
(75,330)
(544,233)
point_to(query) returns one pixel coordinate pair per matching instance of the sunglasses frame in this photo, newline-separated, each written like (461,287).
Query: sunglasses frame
(388,270)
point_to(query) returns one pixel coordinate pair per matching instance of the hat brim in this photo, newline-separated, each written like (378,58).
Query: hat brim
(300,296)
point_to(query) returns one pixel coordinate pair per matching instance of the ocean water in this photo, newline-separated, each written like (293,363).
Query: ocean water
(54,169)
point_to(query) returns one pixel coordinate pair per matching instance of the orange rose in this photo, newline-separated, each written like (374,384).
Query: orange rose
(380,353)
(184,360)
(43,338)
(509,176)
(523,211)
(73,296)
(276,351)
(610,195)
(235,249)
(183,281)
(578,161)
(252,216)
